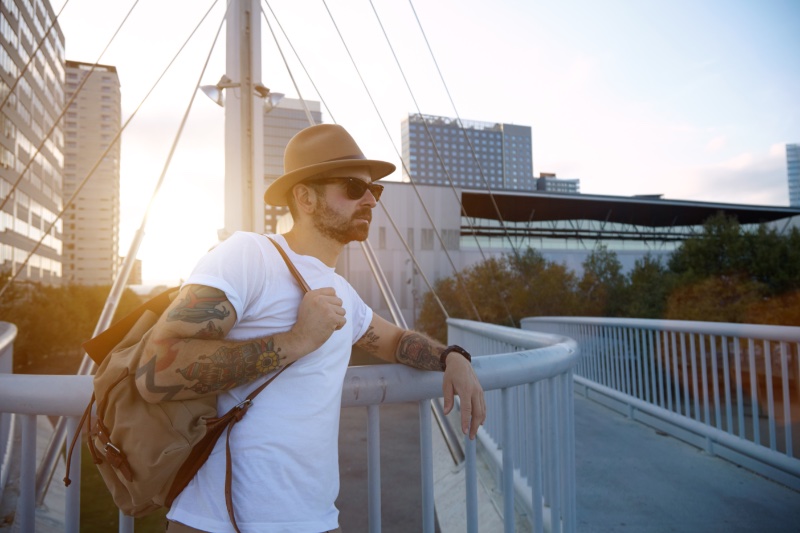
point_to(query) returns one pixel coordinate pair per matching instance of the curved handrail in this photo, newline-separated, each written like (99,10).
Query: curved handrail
(364,385)
(725,329)
(527,358)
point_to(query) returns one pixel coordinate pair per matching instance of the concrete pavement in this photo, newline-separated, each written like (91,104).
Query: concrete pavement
(633,478)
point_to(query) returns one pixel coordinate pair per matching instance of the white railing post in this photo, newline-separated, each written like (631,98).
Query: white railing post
(374,467)
(26,507)
(746,387)
(426,460)
(532,370)
(73,492)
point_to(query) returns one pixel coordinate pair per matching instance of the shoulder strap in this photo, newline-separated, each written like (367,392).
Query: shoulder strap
(236,413)
(292,269)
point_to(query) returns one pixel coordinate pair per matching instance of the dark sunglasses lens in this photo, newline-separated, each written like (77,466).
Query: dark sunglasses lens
(357,188)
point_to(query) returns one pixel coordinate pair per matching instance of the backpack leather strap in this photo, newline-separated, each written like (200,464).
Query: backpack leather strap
(236,413)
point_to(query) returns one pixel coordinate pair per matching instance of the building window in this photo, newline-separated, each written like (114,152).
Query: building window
(427,239)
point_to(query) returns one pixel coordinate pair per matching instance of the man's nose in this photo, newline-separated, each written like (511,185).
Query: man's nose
(369,199)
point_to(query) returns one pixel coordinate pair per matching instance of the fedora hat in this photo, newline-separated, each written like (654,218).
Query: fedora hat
(318,149)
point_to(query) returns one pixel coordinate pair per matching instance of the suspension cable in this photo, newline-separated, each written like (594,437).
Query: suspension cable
(383,123)
(56,123)
(289,70)
(311,122)
(302,65)
(105,152)
(122,277)
(411,178)
(48,463)
(458,117)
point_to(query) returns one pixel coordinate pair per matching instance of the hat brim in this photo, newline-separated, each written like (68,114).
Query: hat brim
(278,190)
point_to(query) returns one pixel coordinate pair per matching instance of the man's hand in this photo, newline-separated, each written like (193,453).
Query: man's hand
(320,314)
(395,345)
(460,378)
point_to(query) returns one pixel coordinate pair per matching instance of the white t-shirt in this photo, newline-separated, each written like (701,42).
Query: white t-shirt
(285,449)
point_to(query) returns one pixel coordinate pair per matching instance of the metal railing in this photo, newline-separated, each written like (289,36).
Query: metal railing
(8,333)
(530,372)
(731,389)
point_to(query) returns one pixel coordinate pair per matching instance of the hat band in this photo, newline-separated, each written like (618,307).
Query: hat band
(358,156)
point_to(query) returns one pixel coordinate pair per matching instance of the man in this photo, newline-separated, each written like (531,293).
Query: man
(241,316)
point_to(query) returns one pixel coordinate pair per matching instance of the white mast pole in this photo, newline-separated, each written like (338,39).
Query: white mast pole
(244,118)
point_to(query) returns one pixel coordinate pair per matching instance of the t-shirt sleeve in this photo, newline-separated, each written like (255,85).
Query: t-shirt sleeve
(362,315)
(236,267)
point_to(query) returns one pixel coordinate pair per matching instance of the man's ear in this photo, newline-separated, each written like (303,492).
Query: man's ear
(305,198)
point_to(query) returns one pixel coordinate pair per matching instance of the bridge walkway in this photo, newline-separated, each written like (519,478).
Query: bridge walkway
(633,478)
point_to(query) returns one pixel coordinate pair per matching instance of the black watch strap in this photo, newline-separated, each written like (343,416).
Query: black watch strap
(453,348)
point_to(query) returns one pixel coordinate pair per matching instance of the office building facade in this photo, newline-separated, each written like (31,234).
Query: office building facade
(793,173)
(31,142)
(468,154)
(548,182)
(91,174)
(564,228)
(281,123)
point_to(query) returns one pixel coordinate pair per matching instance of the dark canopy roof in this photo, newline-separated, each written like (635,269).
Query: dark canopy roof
(641,211)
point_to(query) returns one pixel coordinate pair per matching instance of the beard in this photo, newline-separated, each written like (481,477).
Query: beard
(340,228)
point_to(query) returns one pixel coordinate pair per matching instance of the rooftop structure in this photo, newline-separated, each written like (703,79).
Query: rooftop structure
(548,182)
(565,228)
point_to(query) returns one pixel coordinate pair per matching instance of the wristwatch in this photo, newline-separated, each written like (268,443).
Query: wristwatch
(453,348)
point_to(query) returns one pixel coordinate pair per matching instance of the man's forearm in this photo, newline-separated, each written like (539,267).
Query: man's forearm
(187,368)
(418,351)
(214,367)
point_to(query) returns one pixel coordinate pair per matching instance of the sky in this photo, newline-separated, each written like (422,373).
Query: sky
(692,99)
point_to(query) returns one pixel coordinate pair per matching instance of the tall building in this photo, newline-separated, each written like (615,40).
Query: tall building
(793,173)
(91,222)
(548,182)
(31,155)
(281,123)
(473,154)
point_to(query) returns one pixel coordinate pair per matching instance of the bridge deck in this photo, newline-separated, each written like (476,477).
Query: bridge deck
(631,477)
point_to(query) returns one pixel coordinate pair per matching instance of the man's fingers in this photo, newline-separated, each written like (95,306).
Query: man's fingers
(447,389)
(466,417)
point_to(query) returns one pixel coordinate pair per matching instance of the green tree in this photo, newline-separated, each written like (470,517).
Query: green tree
(602,287)
(52,323)
(648,288)
(541,287)
(719,250)
(728,274)
(502,291)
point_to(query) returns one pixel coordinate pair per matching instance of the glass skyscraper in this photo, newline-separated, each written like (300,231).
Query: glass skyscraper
(472,154)
(793,172)
(31,155)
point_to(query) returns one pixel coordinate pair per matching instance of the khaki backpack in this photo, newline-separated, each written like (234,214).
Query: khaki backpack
(148,452)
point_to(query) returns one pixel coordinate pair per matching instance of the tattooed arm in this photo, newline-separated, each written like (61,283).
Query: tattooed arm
(187,354)
(392,344)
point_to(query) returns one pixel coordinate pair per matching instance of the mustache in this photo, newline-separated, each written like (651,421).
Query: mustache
(363,214)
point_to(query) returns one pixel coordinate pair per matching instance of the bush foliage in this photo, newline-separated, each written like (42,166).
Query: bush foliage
(723,274)
(52,323)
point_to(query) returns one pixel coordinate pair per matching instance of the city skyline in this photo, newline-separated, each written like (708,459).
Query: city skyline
(693,102)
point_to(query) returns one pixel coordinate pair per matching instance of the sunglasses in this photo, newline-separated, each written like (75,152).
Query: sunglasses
(354,187)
